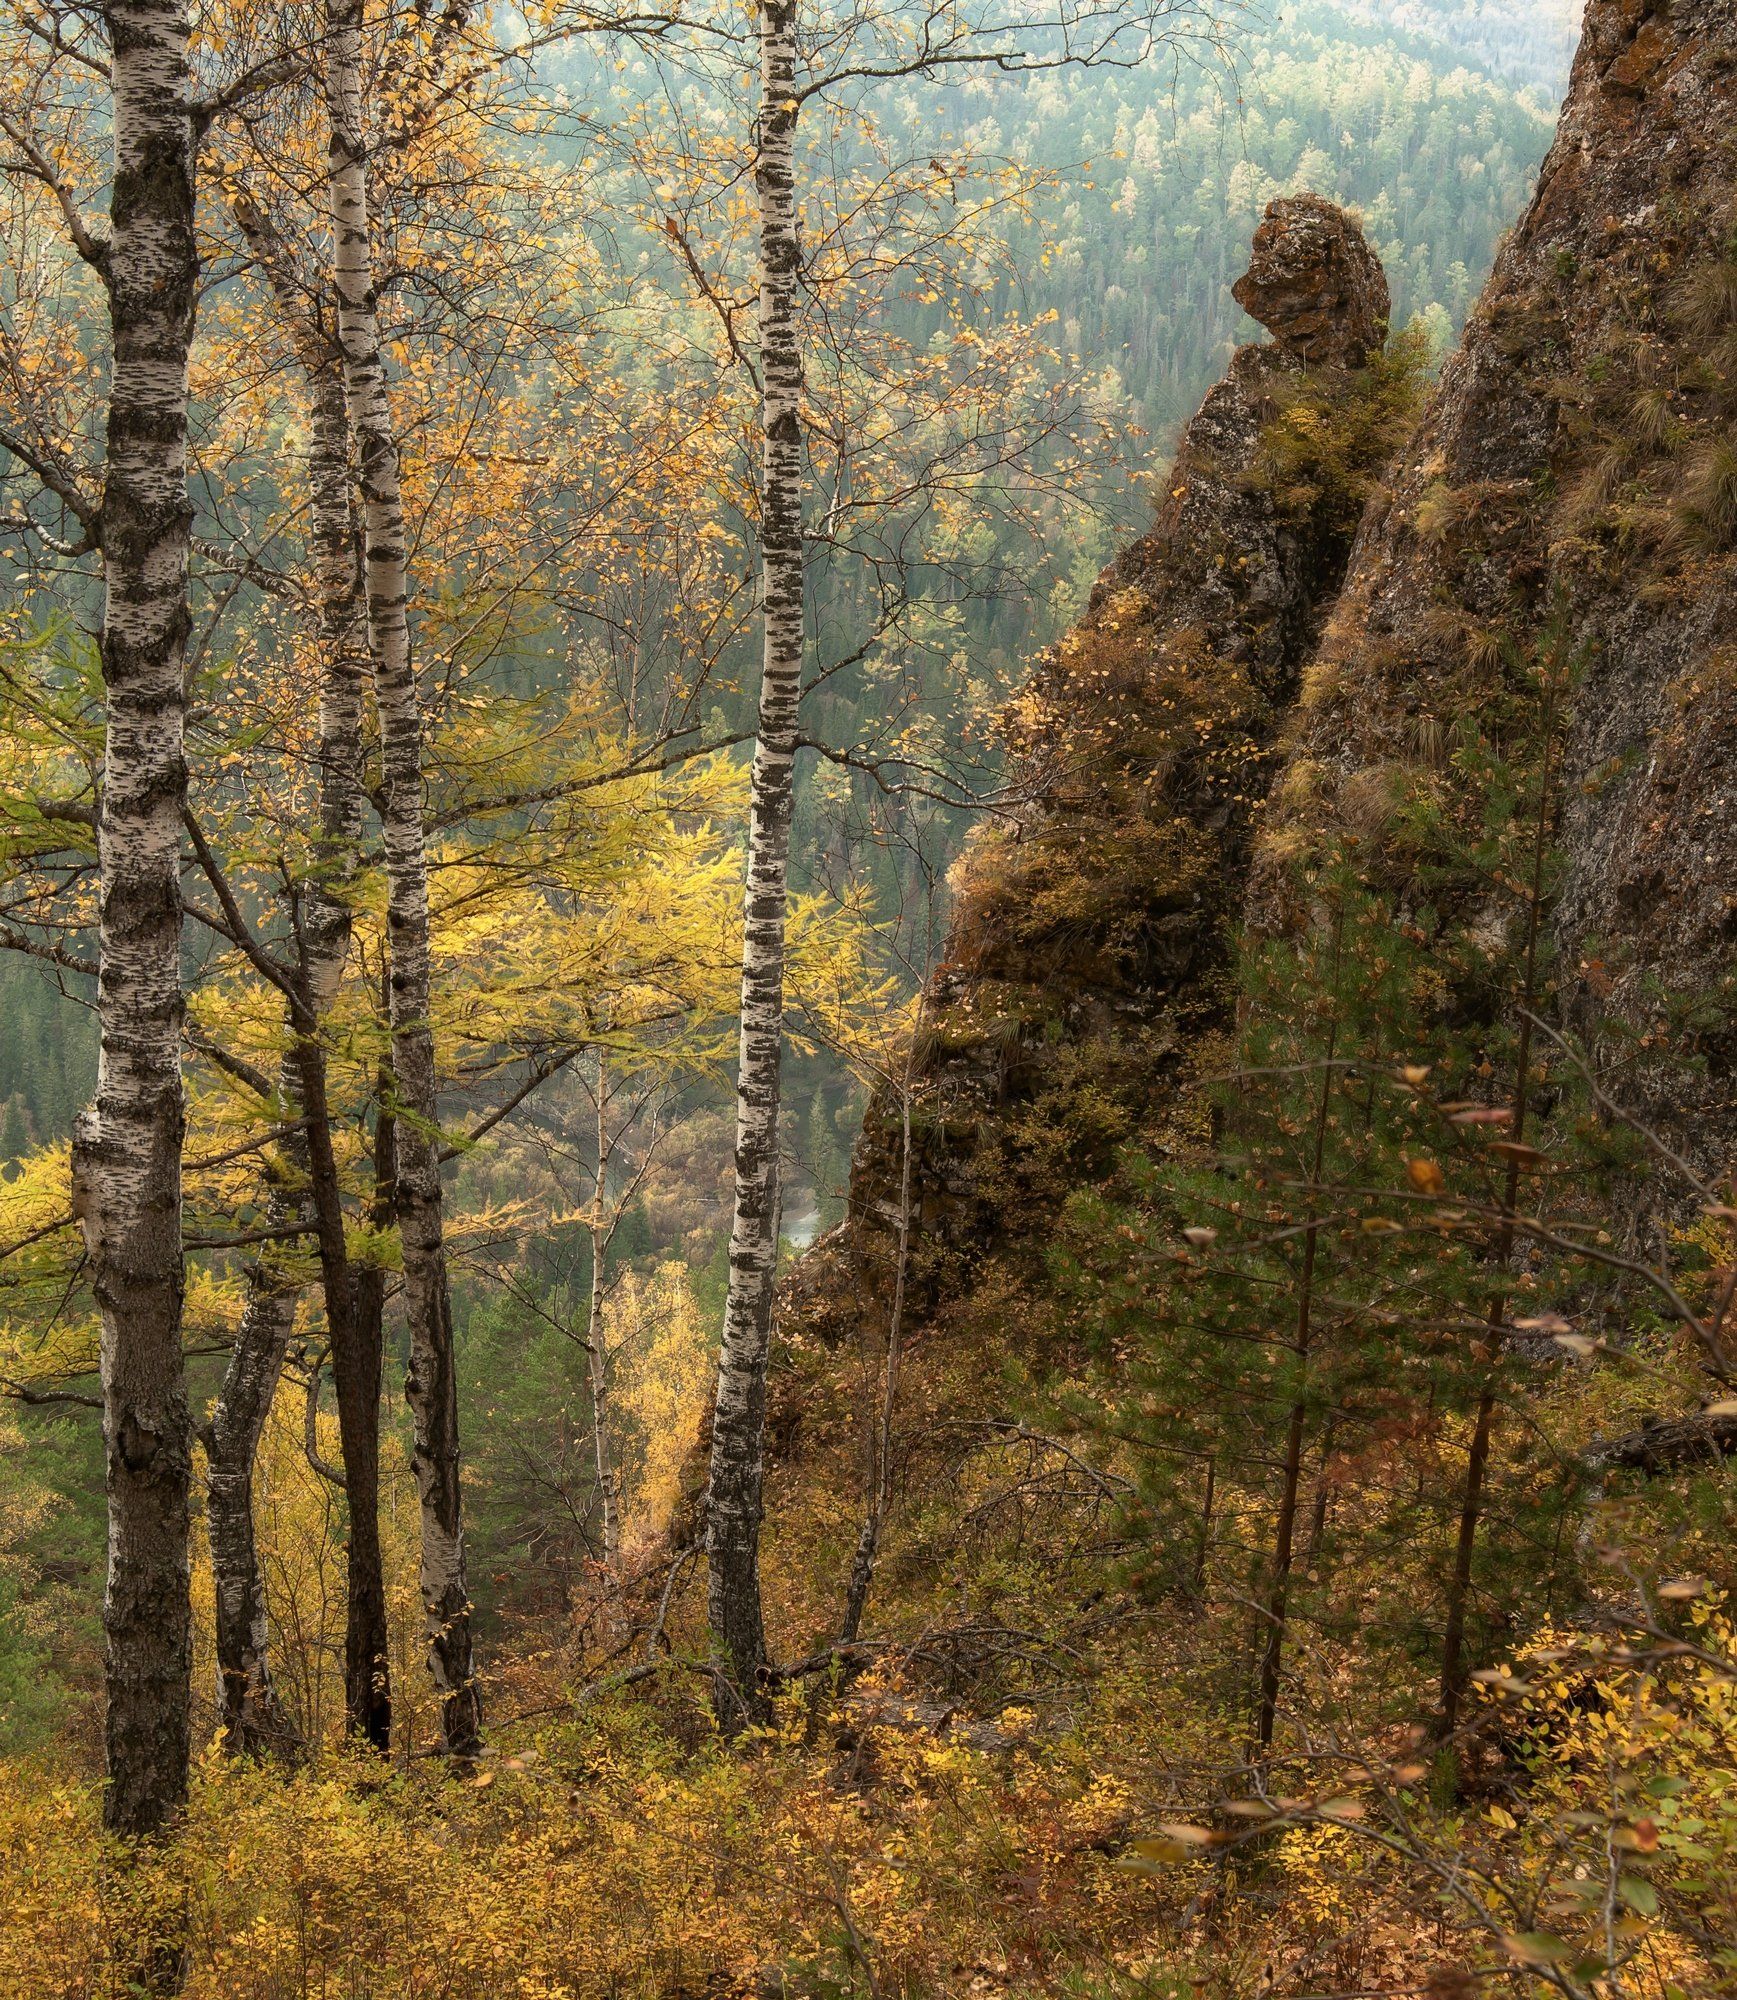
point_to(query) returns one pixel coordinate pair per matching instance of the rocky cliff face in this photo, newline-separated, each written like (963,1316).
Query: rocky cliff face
(1087,970)
(1316,655)
(1576,470)
(1578,464)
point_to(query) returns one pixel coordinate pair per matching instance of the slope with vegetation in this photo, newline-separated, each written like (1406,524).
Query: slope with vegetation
(1250,1490)
(1394,1346)
(1093,921)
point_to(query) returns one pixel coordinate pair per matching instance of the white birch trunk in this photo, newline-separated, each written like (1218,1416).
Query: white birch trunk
(253,1718)
(345,670)
(735,1496)
(127,1149)
(430,1388)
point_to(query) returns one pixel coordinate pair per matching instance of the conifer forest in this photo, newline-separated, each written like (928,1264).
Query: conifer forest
(868,999)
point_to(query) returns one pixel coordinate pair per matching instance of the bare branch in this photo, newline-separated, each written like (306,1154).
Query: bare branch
(37,166)
(235,925)
(311,1425)
(234,1066)
(21,1392)
(538,1077)
(726,312)
(59,480)
(53,954)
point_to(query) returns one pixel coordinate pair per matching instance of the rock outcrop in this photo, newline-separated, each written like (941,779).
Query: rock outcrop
(1576,470)
(1569,492)
(1316,286)
(1578,466)
(1086,971)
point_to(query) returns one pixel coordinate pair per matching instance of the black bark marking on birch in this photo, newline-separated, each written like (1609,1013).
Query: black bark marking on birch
(430,1386)
(128,1145)
(736,1491)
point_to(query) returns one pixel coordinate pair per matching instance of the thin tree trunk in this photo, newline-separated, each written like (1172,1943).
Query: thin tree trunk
(1203,1551)
(354,1330)
(127,1148)
(254,1721)
(253,1718)
(1323,1498)
(1284,1538)
(431,1386)
(736,1492)
(1278,1599)
(1453,1651)
(880,1484)
(608,1498)
(356,1369)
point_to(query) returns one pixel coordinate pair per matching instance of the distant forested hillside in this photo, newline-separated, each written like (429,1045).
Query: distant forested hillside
(1160,176)
(1531,42)
(1434,150)
(47,1057)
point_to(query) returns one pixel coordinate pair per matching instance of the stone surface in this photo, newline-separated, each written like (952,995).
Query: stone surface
(1534,488)
(1314,283)
(1091,936)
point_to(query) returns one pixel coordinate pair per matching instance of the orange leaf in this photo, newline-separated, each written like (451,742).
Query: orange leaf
(1426,1176)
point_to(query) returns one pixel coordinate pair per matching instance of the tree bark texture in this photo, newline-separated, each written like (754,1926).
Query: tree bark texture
(251,1714)
(431,1386)
(254,1720)
(355,1304)
(735,1502)
(127,1148)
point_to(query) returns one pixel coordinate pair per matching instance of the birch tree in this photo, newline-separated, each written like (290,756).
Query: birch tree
(126,1158)
(430,1387)
(574,754)
(288,250)
(127,1152)
(552,805)
(860,50)
(251,1714)
(735,1502)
